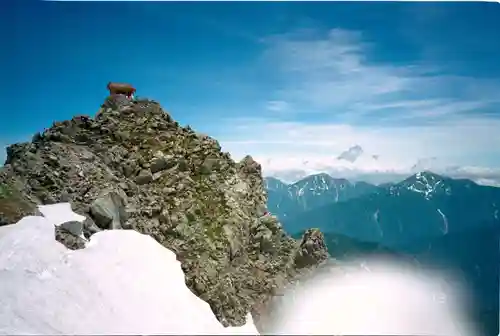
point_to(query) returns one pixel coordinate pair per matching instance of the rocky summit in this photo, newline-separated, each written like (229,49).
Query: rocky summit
(133,167)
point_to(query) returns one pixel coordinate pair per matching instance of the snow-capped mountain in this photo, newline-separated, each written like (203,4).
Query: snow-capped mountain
(426,183)
(423,205)
(451,224)
(274,184)
(310,192)
(430,185)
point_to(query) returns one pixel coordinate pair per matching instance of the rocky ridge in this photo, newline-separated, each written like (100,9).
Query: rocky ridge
(133,167)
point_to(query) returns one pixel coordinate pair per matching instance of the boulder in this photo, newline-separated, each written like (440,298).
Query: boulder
(144,177)
(108,210)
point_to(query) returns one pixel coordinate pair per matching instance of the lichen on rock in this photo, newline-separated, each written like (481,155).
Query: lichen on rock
(134,167)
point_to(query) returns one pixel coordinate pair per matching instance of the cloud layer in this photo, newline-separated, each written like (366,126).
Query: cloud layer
(336,95)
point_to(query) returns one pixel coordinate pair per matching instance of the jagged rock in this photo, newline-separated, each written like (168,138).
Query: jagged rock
(160,163)
(129,168)
(116,102)
(89,227)
(108,211)
(312,250)
(68,239)
(207,165)
(14,204)
(134,167)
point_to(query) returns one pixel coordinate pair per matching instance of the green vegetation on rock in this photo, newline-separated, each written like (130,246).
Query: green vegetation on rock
(5,190)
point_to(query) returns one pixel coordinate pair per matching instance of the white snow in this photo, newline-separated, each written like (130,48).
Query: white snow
(301,190)
(60,213)
(123,282)
(336,193)
(425,186)
(445,222)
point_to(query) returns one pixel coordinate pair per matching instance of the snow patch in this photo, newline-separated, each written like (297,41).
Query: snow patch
(301,190)
(60,213)
(376,219)
(444,229)
(123,282)
(426,185)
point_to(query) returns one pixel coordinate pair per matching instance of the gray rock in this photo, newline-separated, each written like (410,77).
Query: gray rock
(208,165)
(183,165)
(161,163)
(164,218)
(90,227)
(108,211)
(73,227)
(144,177)
(267,241)
(68,239)
(129,169)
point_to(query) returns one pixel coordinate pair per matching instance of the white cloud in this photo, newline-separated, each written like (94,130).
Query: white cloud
(403,113)
(285,147)
(333,73)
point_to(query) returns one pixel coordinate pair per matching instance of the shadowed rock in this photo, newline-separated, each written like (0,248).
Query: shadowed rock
(108,211)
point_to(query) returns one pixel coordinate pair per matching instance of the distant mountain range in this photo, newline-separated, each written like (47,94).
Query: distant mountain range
(424,205)
(428,219)
(287,200)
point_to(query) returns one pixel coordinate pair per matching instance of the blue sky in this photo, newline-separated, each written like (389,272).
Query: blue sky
(295,84)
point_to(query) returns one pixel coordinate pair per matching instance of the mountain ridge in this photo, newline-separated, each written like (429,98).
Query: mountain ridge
(431,221)
(407,202)
(133,167)
(312,191)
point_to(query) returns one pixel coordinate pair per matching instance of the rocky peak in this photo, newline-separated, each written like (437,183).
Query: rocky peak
(133,167)
(312,250)
(425,183)
(319,184)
